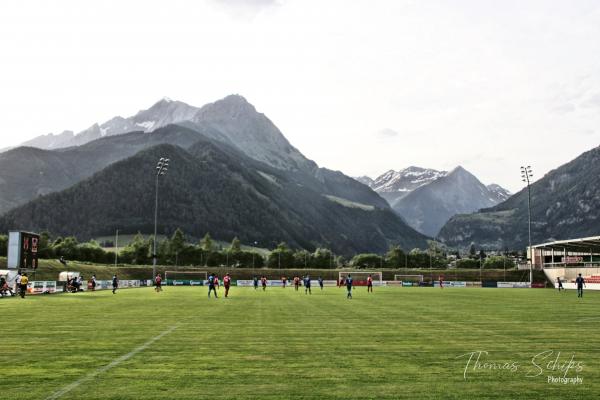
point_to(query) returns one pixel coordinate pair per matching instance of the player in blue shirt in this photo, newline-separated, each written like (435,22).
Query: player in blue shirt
(307,285)
(255,281)
(320,282)
(349,286)
(211,285)
(580,284)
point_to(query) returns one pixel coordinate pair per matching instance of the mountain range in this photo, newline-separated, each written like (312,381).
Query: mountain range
(233,173)
(162,113)
(565,204)
(426,198)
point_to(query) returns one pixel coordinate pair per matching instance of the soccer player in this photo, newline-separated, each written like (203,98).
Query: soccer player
(320,282)
(93,282)
(255,279)
(369,284)
(115,283)
(18,282)
(226,283)
(283,281)
(441,279)
(158,283)
(580,284)
(216,279)
(211,285)
(307,285)
(560,285)
(296,283)
(263,280)
(349,286)
(23,285)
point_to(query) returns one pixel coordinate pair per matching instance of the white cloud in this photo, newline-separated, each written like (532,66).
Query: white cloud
(386,133)
(246,9)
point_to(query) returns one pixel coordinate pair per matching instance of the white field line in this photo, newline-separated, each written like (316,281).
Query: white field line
(597,318)
(113,364)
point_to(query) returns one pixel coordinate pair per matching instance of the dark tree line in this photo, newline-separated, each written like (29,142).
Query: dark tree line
(177,250)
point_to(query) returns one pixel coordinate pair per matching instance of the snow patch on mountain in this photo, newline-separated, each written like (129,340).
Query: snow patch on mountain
(349,203)
(406,180)
(147,125)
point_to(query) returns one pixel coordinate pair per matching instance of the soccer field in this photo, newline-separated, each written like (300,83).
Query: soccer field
(282,344)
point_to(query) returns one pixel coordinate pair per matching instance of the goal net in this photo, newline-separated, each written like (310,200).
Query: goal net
(359,278)
(408,280)
(186,278)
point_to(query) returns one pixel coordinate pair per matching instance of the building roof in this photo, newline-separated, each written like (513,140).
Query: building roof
(583,245)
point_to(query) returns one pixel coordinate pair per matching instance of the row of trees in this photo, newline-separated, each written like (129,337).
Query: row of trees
(176,250)
(492,262)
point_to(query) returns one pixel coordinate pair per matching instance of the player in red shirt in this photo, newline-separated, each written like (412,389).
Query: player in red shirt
(369,284)
(226,283)
(217,282)
(296,283)
(158,283)
(441,282)
(263,280)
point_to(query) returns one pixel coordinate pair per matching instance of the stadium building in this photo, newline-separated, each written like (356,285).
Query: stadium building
(568,258)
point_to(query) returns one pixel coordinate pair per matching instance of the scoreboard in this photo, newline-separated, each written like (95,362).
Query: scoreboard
(23,250)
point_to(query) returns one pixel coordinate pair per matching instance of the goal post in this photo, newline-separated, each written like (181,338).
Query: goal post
(186,278)
(408,278)
(359,278)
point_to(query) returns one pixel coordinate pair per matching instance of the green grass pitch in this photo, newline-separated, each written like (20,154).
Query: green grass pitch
(281,344)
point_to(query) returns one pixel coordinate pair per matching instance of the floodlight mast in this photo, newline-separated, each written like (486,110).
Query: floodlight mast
(526,175)
(161,169)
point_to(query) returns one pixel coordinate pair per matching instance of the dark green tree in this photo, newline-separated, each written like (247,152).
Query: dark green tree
(366,260)
(207,243)
(472,251)
(498,262)
(281,257)
(177,243)
(396,258)
(302,259)
(236,245)
(322,258)
(138,251)
(3,245)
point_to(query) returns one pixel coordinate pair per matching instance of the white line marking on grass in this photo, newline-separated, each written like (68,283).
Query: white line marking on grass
(113,364)
(588,319)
